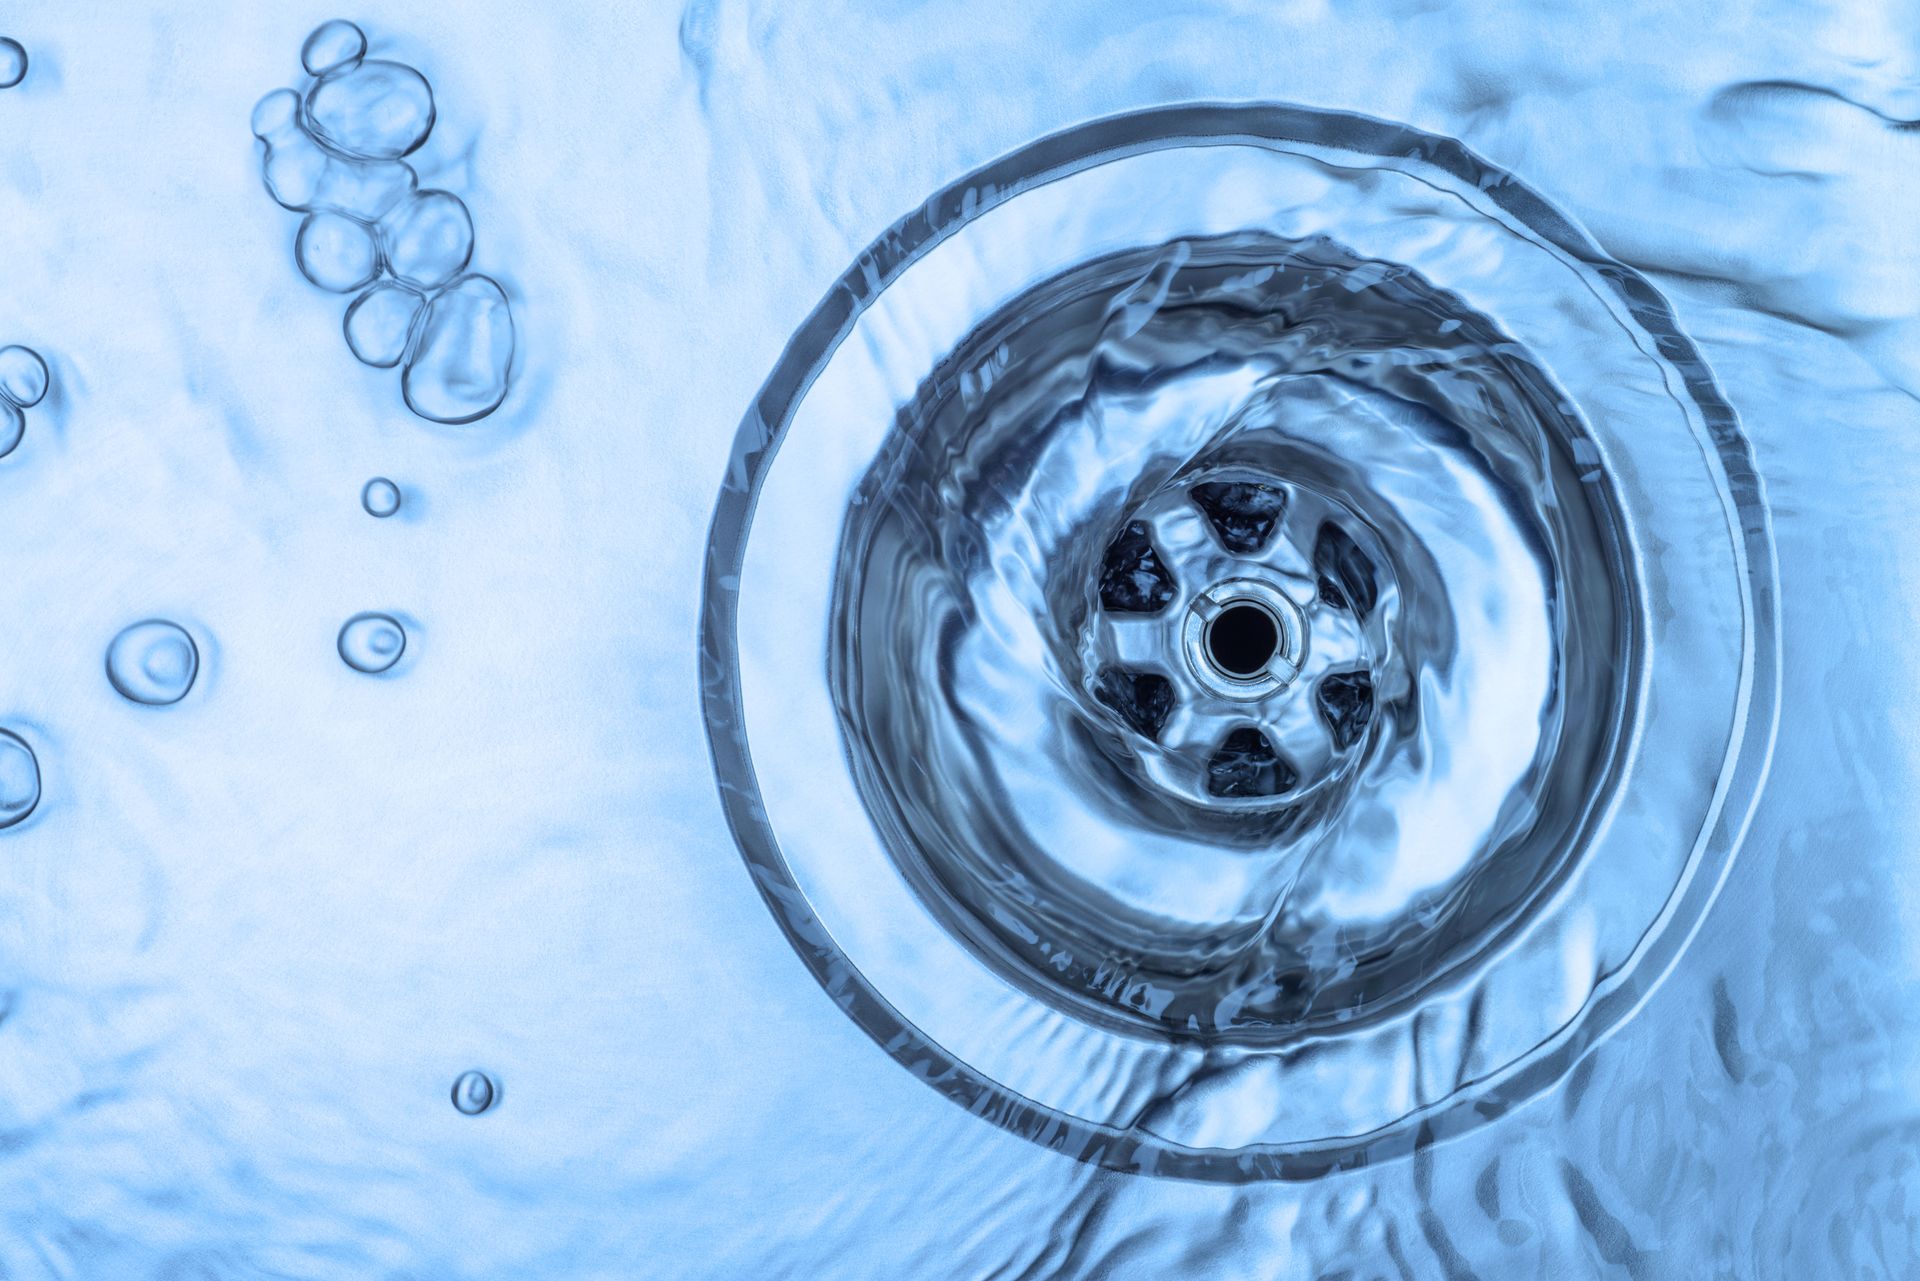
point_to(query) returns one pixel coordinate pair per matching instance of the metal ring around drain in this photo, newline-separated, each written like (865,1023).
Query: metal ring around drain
(1215,607)
(907,969)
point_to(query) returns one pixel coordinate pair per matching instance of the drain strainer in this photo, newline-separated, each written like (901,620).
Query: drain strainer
(1235,636)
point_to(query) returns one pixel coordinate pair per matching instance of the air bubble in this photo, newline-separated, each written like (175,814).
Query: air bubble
(376,111)
(428,240)
(302,176)
(19,779)
(337,152)
(23,383)
(381,497)
(474,1092)
(379,321)
(372,643)
(459,369)
(334,46)
(13,62)
(335,252)
(153,662)
(23,376)
(275,113)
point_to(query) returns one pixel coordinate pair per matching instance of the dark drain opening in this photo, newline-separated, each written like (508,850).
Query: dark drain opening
(1242,640)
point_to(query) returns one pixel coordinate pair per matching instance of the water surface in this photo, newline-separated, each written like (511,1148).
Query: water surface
(251,939)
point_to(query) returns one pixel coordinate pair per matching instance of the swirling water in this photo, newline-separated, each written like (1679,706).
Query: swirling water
(253,940)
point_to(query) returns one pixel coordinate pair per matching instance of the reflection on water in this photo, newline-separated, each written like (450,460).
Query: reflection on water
(262,945)
(975,549)
(1122,585)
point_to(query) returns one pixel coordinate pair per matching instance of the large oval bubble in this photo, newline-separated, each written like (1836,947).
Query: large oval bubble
(464,356)
(376,111)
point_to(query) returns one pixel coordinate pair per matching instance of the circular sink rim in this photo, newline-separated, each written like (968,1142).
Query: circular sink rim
(1294,130)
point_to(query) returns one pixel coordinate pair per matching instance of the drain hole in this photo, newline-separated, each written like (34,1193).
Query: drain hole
(1241,640)
(1247,765)
(1132,579)
(1143,700)
(1242,513)
(1345,568)
(1346,704)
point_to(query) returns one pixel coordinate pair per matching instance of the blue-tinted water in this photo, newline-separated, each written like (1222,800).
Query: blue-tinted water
(372,891)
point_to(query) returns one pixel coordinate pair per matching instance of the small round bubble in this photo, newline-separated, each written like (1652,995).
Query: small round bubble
(13,62)
(428,240)
(153,662)
(372,643)
(334,46)
(381,497)
(474,1092)
(13,425)
(275,113)
(379,321)
(19,779)
(335,252)
(23,376)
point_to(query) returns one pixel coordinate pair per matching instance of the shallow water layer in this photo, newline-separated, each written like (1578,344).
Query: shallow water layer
(253,940)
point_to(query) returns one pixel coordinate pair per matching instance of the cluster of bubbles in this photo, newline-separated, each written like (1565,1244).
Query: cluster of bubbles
(334,154)
(23,377)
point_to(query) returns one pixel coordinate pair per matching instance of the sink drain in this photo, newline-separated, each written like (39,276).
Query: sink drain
(1245,638)
(1286,647)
